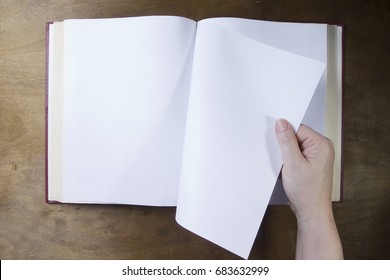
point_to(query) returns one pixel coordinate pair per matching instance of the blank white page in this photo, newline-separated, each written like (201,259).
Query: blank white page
(126,86)
(306,39)
(231,158)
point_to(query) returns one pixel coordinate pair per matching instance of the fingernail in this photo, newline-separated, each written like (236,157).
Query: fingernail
(281,125)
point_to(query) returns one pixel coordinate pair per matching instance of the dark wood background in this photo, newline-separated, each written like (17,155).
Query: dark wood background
(31,229)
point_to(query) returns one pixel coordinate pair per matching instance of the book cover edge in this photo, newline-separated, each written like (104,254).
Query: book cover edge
(47,112)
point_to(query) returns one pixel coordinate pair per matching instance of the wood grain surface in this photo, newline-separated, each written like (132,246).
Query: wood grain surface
(31,229)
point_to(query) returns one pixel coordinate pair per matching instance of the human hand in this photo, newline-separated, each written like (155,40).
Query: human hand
(307,172)
(307,176)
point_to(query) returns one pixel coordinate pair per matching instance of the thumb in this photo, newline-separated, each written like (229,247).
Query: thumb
(288,143)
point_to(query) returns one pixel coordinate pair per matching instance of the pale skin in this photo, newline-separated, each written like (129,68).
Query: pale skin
(307,176)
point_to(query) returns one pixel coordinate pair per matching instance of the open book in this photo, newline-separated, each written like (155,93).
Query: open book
(166,111)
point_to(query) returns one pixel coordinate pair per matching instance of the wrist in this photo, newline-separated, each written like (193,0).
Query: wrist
(315,218)
(317,236)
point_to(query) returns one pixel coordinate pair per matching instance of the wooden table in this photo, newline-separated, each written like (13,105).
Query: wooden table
(31,229)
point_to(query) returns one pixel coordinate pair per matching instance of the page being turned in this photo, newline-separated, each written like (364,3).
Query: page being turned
(231,159)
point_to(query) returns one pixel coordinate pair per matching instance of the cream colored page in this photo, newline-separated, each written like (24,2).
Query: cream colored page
(54,98)
(231,158)
(125,100)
